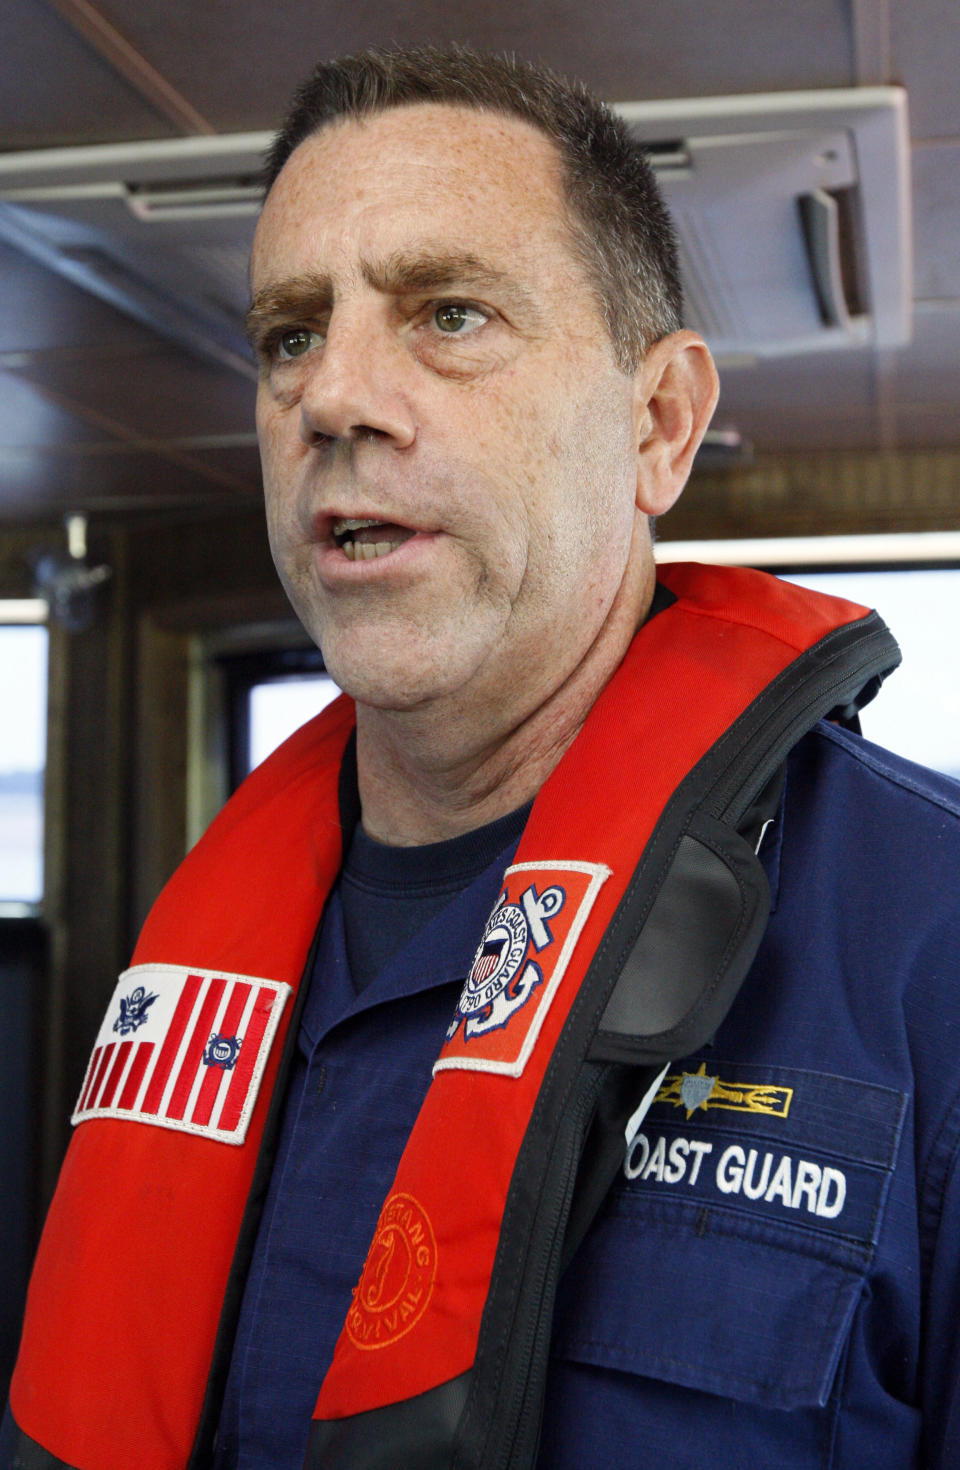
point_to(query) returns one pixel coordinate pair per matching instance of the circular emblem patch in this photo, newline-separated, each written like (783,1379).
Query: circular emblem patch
(397,1280)
(499,957)
(221,1051)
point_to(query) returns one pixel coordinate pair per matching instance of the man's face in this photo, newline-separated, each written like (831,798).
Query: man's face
(448,444)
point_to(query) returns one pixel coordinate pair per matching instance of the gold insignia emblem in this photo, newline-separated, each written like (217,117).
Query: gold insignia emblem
(693,1090)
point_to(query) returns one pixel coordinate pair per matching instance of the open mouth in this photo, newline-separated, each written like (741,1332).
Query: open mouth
(363,540)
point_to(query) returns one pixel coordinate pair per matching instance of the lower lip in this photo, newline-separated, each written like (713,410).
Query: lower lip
(334,565)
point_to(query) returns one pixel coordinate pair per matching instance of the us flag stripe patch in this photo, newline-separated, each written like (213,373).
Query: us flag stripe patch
(183,1048)
(116,1072)
(235,1096)
(168,1051)
(230,1026)
(188,1073)
(98,1066)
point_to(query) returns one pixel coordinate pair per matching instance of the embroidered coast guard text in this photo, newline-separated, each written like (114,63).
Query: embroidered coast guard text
(766,1175)
(183,1048)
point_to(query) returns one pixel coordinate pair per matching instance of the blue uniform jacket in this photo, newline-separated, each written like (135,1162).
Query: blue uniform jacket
(774,1281)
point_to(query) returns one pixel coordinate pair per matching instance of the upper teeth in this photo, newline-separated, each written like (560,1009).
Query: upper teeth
(351,523)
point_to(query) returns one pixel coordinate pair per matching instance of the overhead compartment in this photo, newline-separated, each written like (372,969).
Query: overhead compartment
(793,215)
(792,209)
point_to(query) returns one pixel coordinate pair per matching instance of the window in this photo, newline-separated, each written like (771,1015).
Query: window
(23,740)
(917,712)
(277,707)
(269,693)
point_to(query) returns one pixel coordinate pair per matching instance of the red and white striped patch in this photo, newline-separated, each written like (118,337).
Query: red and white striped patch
(184,1049)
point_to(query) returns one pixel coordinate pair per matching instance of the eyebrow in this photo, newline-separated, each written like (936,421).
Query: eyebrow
(297,296)
(402,274)
(437,270)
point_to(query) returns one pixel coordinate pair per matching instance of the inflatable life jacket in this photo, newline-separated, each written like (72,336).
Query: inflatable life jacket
(626,924)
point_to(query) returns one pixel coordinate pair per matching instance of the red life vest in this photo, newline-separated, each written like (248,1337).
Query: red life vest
(583,980)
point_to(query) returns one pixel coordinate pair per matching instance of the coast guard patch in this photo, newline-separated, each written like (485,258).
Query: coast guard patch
(519,965)
(184,1049)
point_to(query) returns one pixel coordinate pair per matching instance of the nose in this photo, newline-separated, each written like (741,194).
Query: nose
(353,387)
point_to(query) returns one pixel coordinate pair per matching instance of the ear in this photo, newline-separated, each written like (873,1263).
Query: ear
(675,392)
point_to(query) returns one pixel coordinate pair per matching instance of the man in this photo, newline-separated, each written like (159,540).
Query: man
(474,395)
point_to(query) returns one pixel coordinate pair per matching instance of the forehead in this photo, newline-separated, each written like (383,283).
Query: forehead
(475,180)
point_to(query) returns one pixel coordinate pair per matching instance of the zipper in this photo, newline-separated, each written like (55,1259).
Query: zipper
(517,1446)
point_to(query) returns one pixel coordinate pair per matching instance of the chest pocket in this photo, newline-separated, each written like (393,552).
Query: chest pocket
(733,1250)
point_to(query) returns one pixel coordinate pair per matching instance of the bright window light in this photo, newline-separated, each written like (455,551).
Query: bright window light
(917,712)
(280,706)
(23,741)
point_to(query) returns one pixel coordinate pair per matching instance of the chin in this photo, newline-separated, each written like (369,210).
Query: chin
(400,684)
(402,662)
(389,695)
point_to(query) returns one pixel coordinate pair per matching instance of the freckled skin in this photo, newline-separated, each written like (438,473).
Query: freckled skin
(475,656)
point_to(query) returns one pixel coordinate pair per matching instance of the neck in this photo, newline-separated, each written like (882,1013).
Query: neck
(433,773)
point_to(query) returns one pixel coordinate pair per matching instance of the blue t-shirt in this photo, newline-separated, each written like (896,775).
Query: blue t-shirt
(402,922)
(774,1279)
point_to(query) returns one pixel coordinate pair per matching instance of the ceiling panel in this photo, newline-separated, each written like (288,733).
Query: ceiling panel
(27,418)
(833,391)
(41,485)
(625,48)
(681,48)
(925,50)
(929,426)
(936,192)
(39,311)
(159,395)
(928,370)
(57,90)
(242,465)
(789,431)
